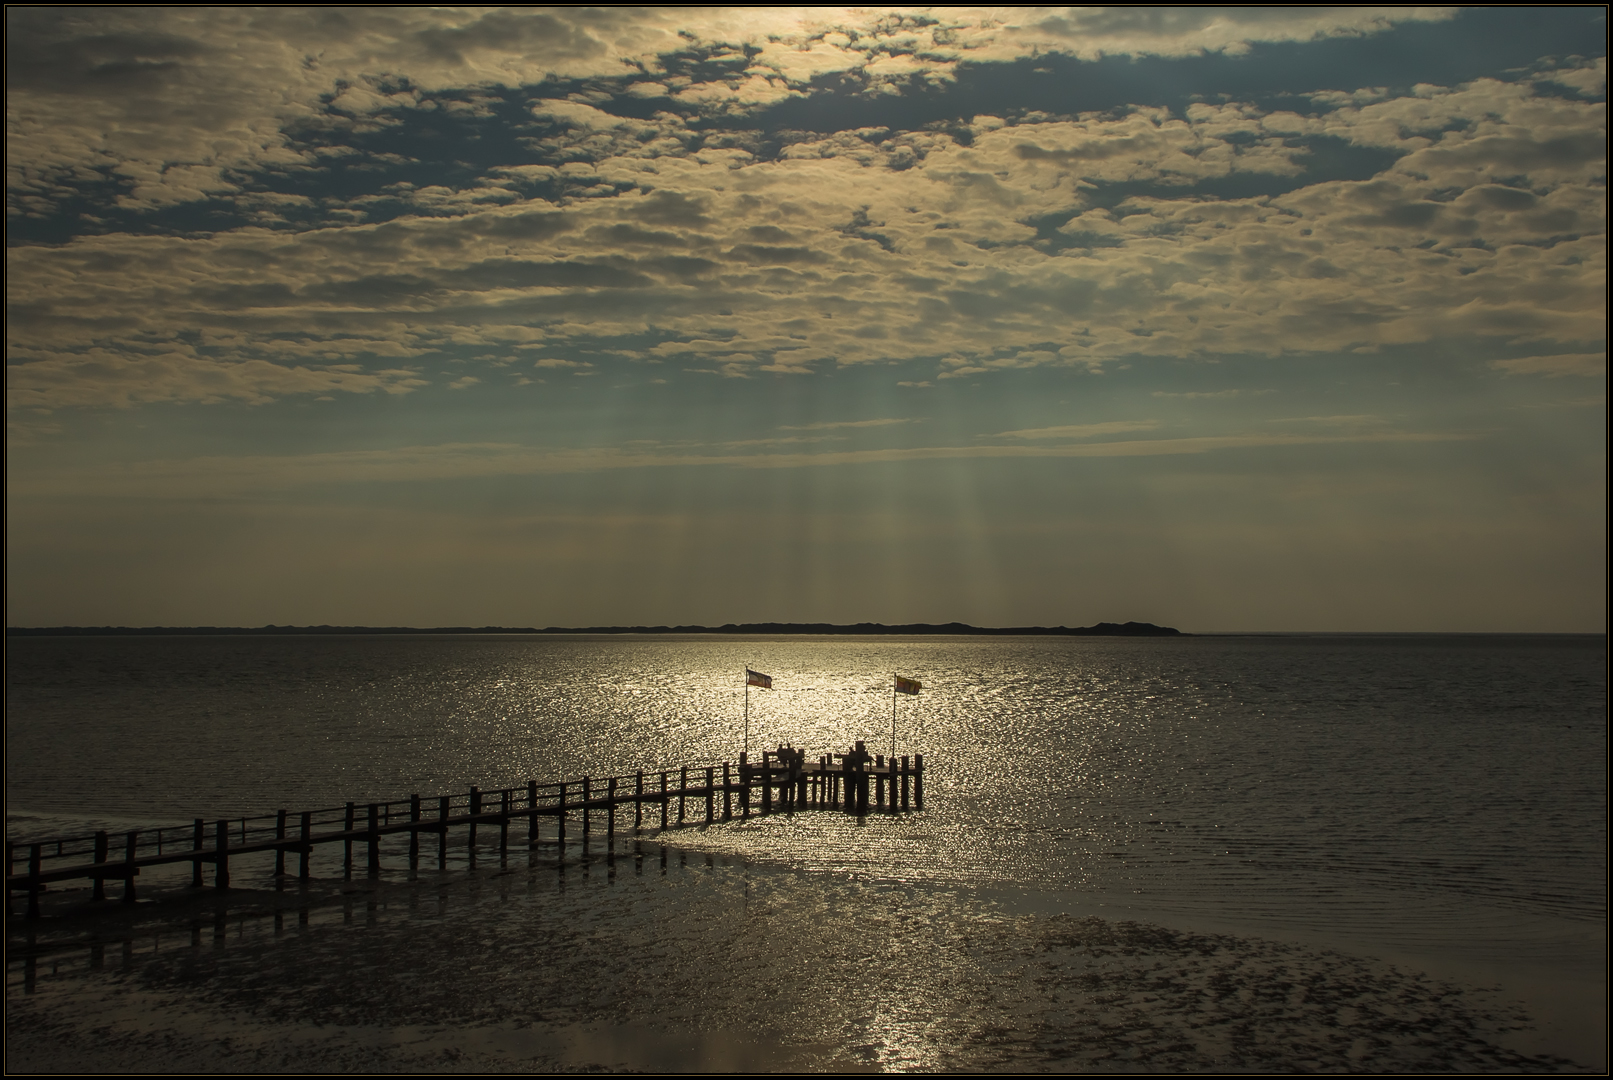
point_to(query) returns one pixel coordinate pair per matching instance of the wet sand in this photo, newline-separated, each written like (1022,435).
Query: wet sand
(673,959)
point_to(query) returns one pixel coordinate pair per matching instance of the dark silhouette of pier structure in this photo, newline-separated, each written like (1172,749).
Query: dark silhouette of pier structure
(784,781)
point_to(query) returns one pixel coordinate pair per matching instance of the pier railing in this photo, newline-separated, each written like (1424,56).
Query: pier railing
(859,783)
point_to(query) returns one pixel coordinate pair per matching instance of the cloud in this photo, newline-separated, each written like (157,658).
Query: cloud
(1027,241)
(1587,365)
(1208,393)
(182,101)
(1077,431)
(832,424)
(196,477)
(97,378)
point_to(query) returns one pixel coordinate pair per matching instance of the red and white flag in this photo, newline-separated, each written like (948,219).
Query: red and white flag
(756,678)
(908,686)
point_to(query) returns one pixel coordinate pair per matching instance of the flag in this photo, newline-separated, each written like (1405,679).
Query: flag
(756,678)
(908,686)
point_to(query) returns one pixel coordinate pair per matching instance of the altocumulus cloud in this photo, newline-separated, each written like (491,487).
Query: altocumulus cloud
(651,213)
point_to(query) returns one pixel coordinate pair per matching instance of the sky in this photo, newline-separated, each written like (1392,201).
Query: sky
(1228,319)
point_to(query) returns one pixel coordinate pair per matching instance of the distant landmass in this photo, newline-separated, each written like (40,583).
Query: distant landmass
(1103,629)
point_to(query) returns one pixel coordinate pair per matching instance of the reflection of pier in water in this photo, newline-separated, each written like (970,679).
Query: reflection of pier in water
(855,782)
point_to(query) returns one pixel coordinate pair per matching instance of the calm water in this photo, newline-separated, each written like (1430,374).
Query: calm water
(1438,797)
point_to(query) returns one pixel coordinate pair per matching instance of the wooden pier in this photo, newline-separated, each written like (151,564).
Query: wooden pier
(784,781)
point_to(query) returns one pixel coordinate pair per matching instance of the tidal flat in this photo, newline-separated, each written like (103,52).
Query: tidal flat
(669,959)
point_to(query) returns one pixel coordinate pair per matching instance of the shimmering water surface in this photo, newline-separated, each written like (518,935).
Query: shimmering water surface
(1432,797)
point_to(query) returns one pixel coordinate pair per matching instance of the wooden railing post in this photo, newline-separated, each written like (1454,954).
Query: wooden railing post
(306,827)
(444,807)
(711,781)
(475,808)
(36,857)
(373,836)
(221,856)
(560,819)
(683,788)
(587,824)
(347,842)
(918,781)
(532,817)
(199,842)
(414,833)
(744,785)
(504,823)
(665,802)
(101,849)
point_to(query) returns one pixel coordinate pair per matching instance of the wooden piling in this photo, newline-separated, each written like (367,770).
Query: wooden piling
(586,823)
(280,837)
(906,776)
(918,782)
(307,852)
(372,836)
(475,808)
(610,814)
(683,788)
(664,803)
(711,780)
(638,801)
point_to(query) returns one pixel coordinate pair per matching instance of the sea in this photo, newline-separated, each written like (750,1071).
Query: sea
(1362,852)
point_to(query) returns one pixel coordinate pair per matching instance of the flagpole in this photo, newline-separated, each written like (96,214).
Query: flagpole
(893,718)
(747,710)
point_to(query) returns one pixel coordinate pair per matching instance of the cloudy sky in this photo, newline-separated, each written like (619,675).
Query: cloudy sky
(1230,319)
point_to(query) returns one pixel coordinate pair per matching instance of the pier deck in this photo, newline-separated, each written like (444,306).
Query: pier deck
(782,782)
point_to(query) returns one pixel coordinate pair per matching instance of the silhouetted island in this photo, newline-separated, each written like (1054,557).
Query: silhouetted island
(1103,629)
